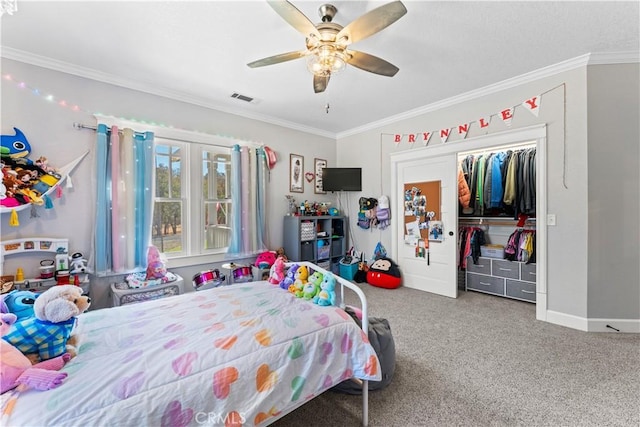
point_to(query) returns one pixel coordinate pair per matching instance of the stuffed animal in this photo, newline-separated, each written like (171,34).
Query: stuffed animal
(47,335)
(327,294)
(301,277)
(290,277)
(20,303)
(265,259)
(312,287)
(155,265)
(77,264)
(16,369)
(280,253)
(276,275)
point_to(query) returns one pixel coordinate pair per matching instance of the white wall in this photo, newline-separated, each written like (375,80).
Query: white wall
(48,128)
(564,98)
(614,191)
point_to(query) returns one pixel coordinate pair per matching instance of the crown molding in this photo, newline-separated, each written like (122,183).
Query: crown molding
(570,64)
(89,73)
(551,70)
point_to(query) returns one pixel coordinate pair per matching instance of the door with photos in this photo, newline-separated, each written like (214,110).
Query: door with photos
(427,190)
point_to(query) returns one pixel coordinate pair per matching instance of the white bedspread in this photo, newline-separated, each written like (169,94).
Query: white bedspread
(232,355)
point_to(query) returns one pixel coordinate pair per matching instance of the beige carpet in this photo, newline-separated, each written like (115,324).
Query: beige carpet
(481,360)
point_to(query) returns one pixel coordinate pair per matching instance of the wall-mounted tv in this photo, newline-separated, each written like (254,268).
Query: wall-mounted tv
(342,179)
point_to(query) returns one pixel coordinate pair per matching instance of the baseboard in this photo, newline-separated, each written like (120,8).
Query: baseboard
(622,325)
(593,325)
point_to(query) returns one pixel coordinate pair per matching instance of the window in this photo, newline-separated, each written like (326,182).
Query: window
(192,202)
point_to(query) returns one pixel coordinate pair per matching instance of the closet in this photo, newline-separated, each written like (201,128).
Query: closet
(496,251)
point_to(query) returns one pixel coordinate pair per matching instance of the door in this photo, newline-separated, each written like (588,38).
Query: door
(433,269)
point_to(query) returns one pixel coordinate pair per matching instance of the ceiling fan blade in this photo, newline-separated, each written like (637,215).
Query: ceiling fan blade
(320,83)
(371,22)
(372,64)
(295,18)
(276,59)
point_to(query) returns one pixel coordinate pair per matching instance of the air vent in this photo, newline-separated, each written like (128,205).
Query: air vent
(242,97)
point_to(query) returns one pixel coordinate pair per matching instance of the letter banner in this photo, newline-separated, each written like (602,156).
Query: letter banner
(444,134)
(507,115)
(533,105)
(426,136)
(462,129)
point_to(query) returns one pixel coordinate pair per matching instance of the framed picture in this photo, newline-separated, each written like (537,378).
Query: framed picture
(296,173)
(319,164)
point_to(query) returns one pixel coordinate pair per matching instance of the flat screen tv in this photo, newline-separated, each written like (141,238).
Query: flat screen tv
(342,179)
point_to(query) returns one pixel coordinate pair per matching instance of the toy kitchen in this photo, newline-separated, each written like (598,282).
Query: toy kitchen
(43,262)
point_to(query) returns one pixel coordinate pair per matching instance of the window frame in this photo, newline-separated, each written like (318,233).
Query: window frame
(193,143)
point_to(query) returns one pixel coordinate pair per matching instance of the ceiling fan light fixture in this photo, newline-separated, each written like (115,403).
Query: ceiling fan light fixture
(326,60)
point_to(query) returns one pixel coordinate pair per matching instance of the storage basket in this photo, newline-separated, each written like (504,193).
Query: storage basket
(324,251)
(307,231)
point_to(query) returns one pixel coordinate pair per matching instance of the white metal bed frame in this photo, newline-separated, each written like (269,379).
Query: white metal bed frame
(365,325)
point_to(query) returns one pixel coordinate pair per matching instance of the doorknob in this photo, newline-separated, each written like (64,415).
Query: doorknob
(451,233)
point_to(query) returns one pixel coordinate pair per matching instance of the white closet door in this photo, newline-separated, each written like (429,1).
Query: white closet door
(438,273)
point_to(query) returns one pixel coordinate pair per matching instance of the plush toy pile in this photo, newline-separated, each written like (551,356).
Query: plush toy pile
(311,285)
(24,181)
(47,334)
(16,369)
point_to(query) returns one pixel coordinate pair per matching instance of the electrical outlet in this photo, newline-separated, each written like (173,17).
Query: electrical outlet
(551,219)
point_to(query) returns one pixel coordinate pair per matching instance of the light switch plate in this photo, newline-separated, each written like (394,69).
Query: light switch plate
(551,219)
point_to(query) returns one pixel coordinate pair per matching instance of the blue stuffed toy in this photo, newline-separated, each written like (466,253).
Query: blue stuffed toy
(20,303)
(327,294)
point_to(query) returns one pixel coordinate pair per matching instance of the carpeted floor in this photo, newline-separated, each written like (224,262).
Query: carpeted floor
(481,360)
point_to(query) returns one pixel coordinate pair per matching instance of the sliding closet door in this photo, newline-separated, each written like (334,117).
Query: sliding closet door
(426,189)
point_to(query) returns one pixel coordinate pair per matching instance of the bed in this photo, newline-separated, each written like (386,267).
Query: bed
(245,354)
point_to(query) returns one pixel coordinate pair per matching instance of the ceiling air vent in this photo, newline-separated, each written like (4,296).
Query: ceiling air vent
(242,97)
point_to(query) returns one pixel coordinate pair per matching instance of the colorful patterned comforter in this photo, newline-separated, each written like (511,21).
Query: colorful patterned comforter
(243,354)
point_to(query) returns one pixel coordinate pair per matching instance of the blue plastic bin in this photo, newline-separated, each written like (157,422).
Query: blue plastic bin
(348,271)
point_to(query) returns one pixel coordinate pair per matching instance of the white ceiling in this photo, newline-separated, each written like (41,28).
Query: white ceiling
(198,50)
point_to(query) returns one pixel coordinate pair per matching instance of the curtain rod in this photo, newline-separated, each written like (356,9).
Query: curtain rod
(80,126)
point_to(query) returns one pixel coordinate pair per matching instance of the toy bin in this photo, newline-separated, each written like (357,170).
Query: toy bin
(123,294)
(348,271)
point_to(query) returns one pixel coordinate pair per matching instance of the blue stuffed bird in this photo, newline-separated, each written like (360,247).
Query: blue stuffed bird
(15,146)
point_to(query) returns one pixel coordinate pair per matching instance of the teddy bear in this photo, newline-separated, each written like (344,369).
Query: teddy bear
(48,333)
(290,277)
(327,294)
(16,369)
(301,278)
(276,274)
(312,287)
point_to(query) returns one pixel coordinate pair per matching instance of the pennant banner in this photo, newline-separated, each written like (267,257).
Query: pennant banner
(506,115)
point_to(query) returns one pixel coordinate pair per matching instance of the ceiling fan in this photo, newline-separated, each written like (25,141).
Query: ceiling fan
(327,42)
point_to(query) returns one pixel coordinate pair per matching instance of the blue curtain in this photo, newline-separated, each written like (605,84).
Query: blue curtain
(125,186)
(248,197)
